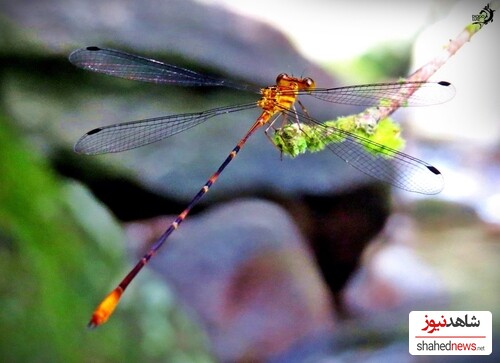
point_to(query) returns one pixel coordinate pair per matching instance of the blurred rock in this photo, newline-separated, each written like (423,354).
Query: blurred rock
(244,270)
(196,32)
(243,267)
(339,227)
(394,280)
(56,103)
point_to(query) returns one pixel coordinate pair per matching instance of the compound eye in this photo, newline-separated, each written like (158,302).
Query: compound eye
(309,82)
(280,77)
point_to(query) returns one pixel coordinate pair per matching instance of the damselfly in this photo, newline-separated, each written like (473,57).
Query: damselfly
(276,102)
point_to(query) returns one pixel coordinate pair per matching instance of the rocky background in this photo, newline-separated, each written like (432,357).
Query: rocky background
(302,260)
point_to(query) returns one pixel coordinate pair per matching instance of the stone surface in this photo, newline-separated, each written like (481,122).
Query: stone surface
(246,272)
(56,103)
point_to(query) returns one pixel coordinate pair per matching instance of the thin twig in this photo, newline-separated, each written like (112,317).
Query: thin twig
(426,71)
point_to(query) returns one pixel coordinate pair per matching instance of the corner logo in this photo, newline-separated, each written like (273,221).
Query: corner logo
(484,17)
(450,333)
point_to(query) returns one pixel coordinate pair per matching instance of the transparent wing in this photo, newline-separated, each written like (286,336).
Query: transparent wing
(129,135)
(376,160)
(124,65)
(400,94)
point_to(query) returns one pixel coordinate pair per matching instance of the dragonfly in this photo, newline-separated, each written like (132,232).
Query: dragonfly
(275,102)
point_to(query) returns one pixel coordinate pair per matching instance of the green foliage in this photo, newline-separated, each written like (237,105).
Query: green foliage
(472,28)
(47,289)
(388,133)
(294,140)
(382,62)
(60,253)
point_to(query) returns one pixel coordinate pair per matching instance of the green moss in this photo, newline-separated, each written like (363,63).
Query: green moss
(294,140)
(472,28)
(387,134)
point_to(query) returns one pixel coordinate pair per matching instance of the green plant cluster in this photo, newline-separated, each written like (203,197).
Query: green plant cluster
(384,139)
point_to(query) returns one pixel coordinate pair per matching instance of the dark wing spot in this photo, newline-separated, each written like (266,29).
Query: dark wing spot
(94,131)
(444,83)
(93,48)
(434,170)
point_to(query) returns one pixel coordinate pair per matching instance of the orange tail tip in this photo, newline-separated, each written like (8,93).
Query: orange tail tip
(105,308)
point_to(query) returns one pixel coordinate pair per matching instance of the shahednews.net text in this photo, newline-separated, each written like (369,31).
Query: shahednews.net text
(435,346)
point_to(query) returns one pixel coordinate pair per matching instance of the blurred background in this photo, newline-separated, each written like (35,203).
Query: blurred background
(303,260)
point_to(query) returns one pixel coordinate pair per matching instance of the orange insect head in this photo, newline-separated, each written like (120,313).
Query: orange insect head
(302,84)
